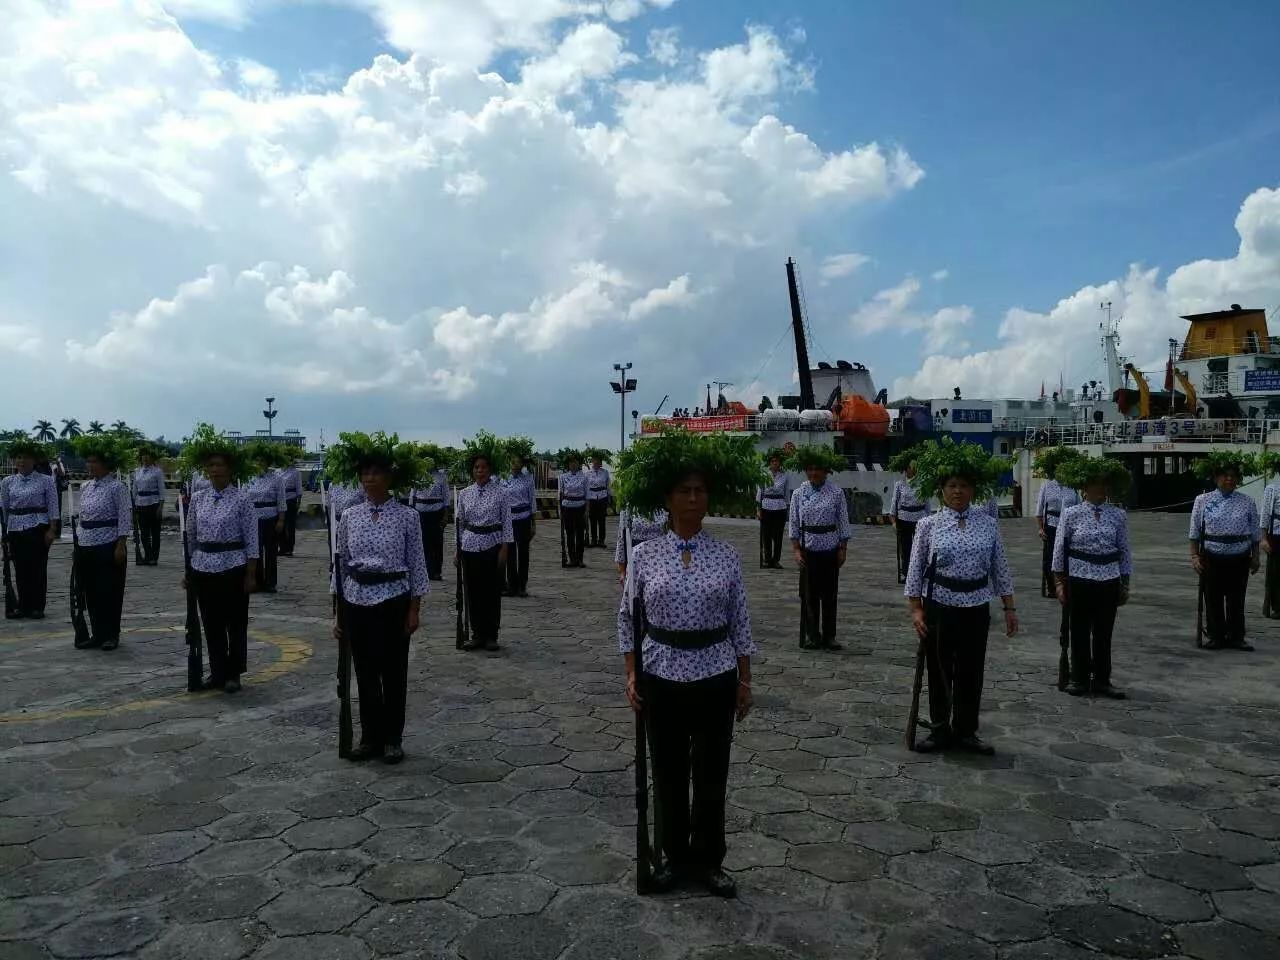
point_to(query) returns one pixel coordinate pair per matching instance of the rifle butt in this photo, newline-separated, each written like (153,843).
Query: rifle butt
(913,718)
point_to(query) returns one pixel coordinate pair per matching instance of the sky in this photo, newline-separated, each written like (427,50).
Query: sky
(438,216)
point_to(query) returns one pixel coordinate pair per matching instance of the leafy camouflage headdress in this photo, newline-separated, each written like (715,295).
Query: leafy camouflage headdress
(117,452)
(815,455)
(652,467)
(1083,471)
(939,461)
(356,451)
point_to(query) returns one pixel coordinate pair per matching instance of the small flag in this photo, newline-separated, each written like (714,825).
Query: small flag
(1041,389)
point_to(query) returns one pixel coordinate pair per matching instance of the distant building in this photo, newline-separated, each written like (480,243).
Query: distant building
(290,438)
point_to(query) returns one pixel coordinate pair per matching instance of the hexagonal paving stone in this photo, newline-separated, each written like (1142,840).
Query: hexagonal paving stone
(994,918)
(1267,877)
(1085,752)
(529,755)
(851,809)
(320,947)
(623,943)
(407,813)
(1043,884)
(1196,871)
(1029,827)
(315,910)
(748,849)
(486,822)
(985,847)
(1086,858)
(1048,949)
(52,878)
(833,747)
(404,786)
(937,872)
(739,951)
(503,894)
(240,857)
(410,880)
(1225,941)
(331,834)
(141,886)
(539,939)
(882,902)
(222,899)
(1067,806)
(30,918)
(161,848)
(407,843)
(348,802)
(888,837)
(1127,836)
(323,868)
(185,816)
(1159,899)
(253,825)
(473,771)
(936,817)
(566,833)
(1236,847)
(838,862)
(105,936)
(931,942)
(1109,929)
(594,865)
(799,827)
(419,930)
(768,799)
(1156,813)
(1259,823)
(219,940)
(73,842)
(24,829)
(1252,908)
(489,856)
(821,783)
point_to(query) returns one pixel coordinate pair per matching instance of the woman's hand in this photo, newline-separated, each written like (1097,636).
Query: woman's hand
(1010,622)
(249,584)
(918,621)
(1061,590)
(279,524)
(744,700)
(633,694)
(1254,563)
(48,537)
(840,555)
(1266,545)
(799,555)
(411,623)
(1197,563)
(337,629)
(622,573)
(120,556)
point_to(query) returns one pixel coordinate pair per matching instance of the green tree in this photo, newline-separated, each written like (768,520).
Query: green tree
(95,427)
(119,427)
(70,429)
(43,431)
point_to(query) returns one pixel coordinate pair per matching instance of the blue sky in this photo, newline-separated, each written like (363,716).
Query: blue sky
(1059,143)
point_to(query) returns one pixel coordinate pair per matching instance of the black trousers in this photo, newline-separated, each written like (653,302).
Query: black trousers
(483,580)
(103,581)
(1226,579)
(772,524)
(1046,561)
(433,542)
(956,653)
(149,531)
(597,511)
(380,651)
(518,556)
(30,567)
(575,532)
(289,535)
(822,572)
(1093,605)
(224,614)
(906,533)
(690,732)
(266,573)
(1271,593)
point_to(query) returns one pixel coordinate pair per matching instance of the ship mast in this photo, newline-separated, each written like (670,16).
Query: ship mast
(802,349)
(1110,350)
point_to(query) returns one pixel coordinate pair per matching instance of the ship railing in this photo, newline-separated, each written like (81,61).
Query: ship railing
(1158,430)
(1250,343)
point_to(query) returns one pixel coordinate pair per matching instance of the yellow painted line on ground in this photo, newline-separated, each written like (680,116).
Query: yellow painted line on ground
(293,654)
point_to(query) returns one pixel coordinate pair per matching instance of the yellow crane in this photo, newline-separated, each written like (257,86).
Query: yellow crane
(1188,389)
(1144,392)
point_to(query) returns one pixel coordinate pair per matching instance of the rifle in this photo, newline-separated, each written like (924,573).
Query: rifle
(83,638)
(137,532)
(762,564)
(10,596)
(804,607)
(897,550)
(1064,630)
(564,554)
(462,625)
(647,855)
(194,635)
(344,640)
(913,718)
(1200,591)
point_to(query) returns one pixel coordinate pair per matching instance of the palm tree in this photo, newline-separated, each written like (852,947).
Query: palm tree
(120,427)
(43,431)
(70,429)
(95,426)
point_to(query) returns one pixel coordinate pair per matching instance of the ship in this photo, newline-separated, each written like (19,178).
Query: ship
(1221,390)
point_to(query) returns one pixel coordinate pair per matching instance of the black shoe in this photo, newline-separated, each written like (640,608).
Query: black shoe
(936,742)
(833,645)
(393,754)
(491,644)
(364,752)
(437,579)
(473,644)
(111,644)
(665,879)
(523,594)
(16,615)
(91,644)
(975,744)
(1108,691)
(35,614)
(212,683)
(719,884)
(1077,689)
(232,685)
(1244,645)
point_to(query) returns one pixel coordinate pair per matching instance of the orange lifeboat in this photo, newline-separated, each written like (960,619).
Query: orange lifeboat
(859,417)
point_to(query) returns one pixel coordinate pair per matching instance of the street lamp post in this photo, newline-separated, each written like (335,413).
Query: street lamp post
(622,386)
(270,414)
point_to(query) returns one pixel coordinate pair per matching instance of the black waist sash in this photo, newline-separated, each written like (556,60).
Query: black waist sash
(428,500)
(472,528)
(1101,559)
(956,585)
(96,524)
(370,578)
(521,508)
(264,506)
(219,546)
(1227,537)
(820,528)
(688,639)
(26,511)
